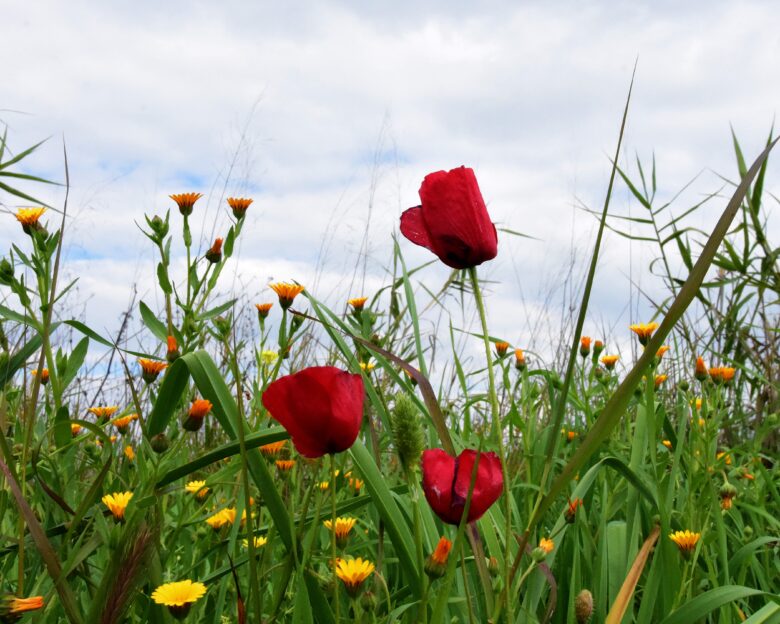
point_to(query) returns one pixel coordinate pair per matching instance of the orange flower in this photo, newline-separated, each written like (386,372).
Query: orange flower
(151,369)
(273,449)
(643,331)
(117,503)
(286,292)
(571,510)
(661,350)
(724,456)
(214,254)
(123,423)
(75,429)
(356,485)
(198,411)
(173,349)
(570,435)
(129,453)
(285,465)
(239,206)
(501,348)
(342,529)
(29,217)
(103,412)
(358,303)
(667,444)
(519,359)
(547,545)
(659,379)
(186,201)
(12,607)
(44,375)
(609,361)
(722,374)
(585,346)
(263,309)
(436,564)
(700,371)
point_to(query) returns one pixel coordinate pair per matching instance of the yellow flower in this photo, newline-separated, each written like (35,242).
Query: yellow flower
(185,201)
(273,449)
(75,429)
(263,309)
(239,206)
(659,379)
(44,375)
(117,503)
(259,541)
(661,350)
(367,367)
(643,331)
(218,520)
(268,357)
(667,444)
(685,540)
(179,596)
(129,453)
(103,412)
(501,348)
(353,572)
(123,423)
(724,456)
(609,361)
(286,292)
(197,488)
(547,545)
(343,527)
(357,303)
(151,369)
(323,485)
(698,403)
(29,217)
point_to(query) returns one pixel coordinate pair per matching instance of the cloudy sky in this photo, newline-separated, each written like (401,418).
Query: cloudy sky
(330,114)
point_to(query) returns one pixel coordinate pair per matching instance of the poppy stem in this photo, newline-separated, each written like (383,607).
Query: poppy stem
(333,531)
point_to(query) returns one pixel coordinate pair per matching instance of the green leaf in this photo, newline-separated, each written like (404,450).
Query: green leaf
(162,278)
(707,602)
(155,325)
(209,314)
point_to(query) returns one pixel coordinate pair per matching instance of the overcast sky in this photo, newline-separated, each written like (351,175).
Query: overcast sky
(330,114)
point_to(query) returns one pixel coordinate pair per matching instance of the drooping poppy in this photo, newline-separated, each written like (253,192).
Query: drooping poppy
(452,220)
(446,481)
(321,407)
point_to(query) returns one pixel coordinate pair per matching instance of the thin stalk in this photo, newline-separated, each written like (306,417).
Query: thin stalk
(333,532)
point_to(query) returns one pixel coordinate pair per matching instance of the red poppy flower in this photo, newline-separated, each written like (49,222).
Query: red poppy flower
(321,407)
(446,481)
(452,221)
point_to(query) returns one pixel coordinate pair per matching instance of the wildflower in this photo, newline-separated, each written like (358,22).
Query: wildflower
(452,220)
(545,547)
(667,444)
(75,429)
(353,572)
(570,435)
(29,218)
(197,489)
(492,566)
(262,310)
(129,453)
(117,503)
(659,379)
(259,541)
(436,563)
(661,350)
(44,375)
(609,361)
(273,449)
(583,607)
(151,369)
(724,456)
(408,434)
(446,481)
(519,359)
(341,530)
(186,201)
(367,367)
(501,348)
(286,292)
(268,357)
(239,206)
(685,540)
(321,407)
(700,371)
(747,476)
(571,511)
(173,349)
(159,443)
(198,411)
(179,596)
(103,413)
(643,331)
(12,607)
(585,346)
(721,374)
(356,485)
(218,520)
(214,254)
(727,494)
(323,485)
(285,465)
(357,303)
(123,423)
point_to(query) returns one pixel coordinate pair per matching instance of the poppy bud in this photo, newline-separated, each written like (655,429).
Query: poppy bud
(583,607)
(214,254)
(446,482)
(321,407)
(407,432)
(452,220)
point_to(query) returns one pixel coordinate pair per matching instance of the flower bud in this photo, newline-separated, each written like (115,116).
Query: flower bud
(222,325)
(159,443)
(407,432)
(583,607)
(585,346)
(519,360)
(214,254)
(700,372)
(493,567)
(598,347)
(501,348)
(683,385)
(436,563)
(173,350)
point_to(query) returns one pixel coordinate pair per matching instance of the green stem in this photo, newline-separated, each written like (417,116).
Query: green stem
(333,532)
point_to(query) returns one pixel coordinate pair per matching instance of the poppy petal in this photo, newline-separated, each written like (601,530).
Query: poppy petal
(413,227)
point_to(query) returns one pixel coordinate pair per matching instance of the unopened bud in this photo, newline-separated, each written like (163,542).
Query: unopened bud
(407,432)
(159,443)
(583,607)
